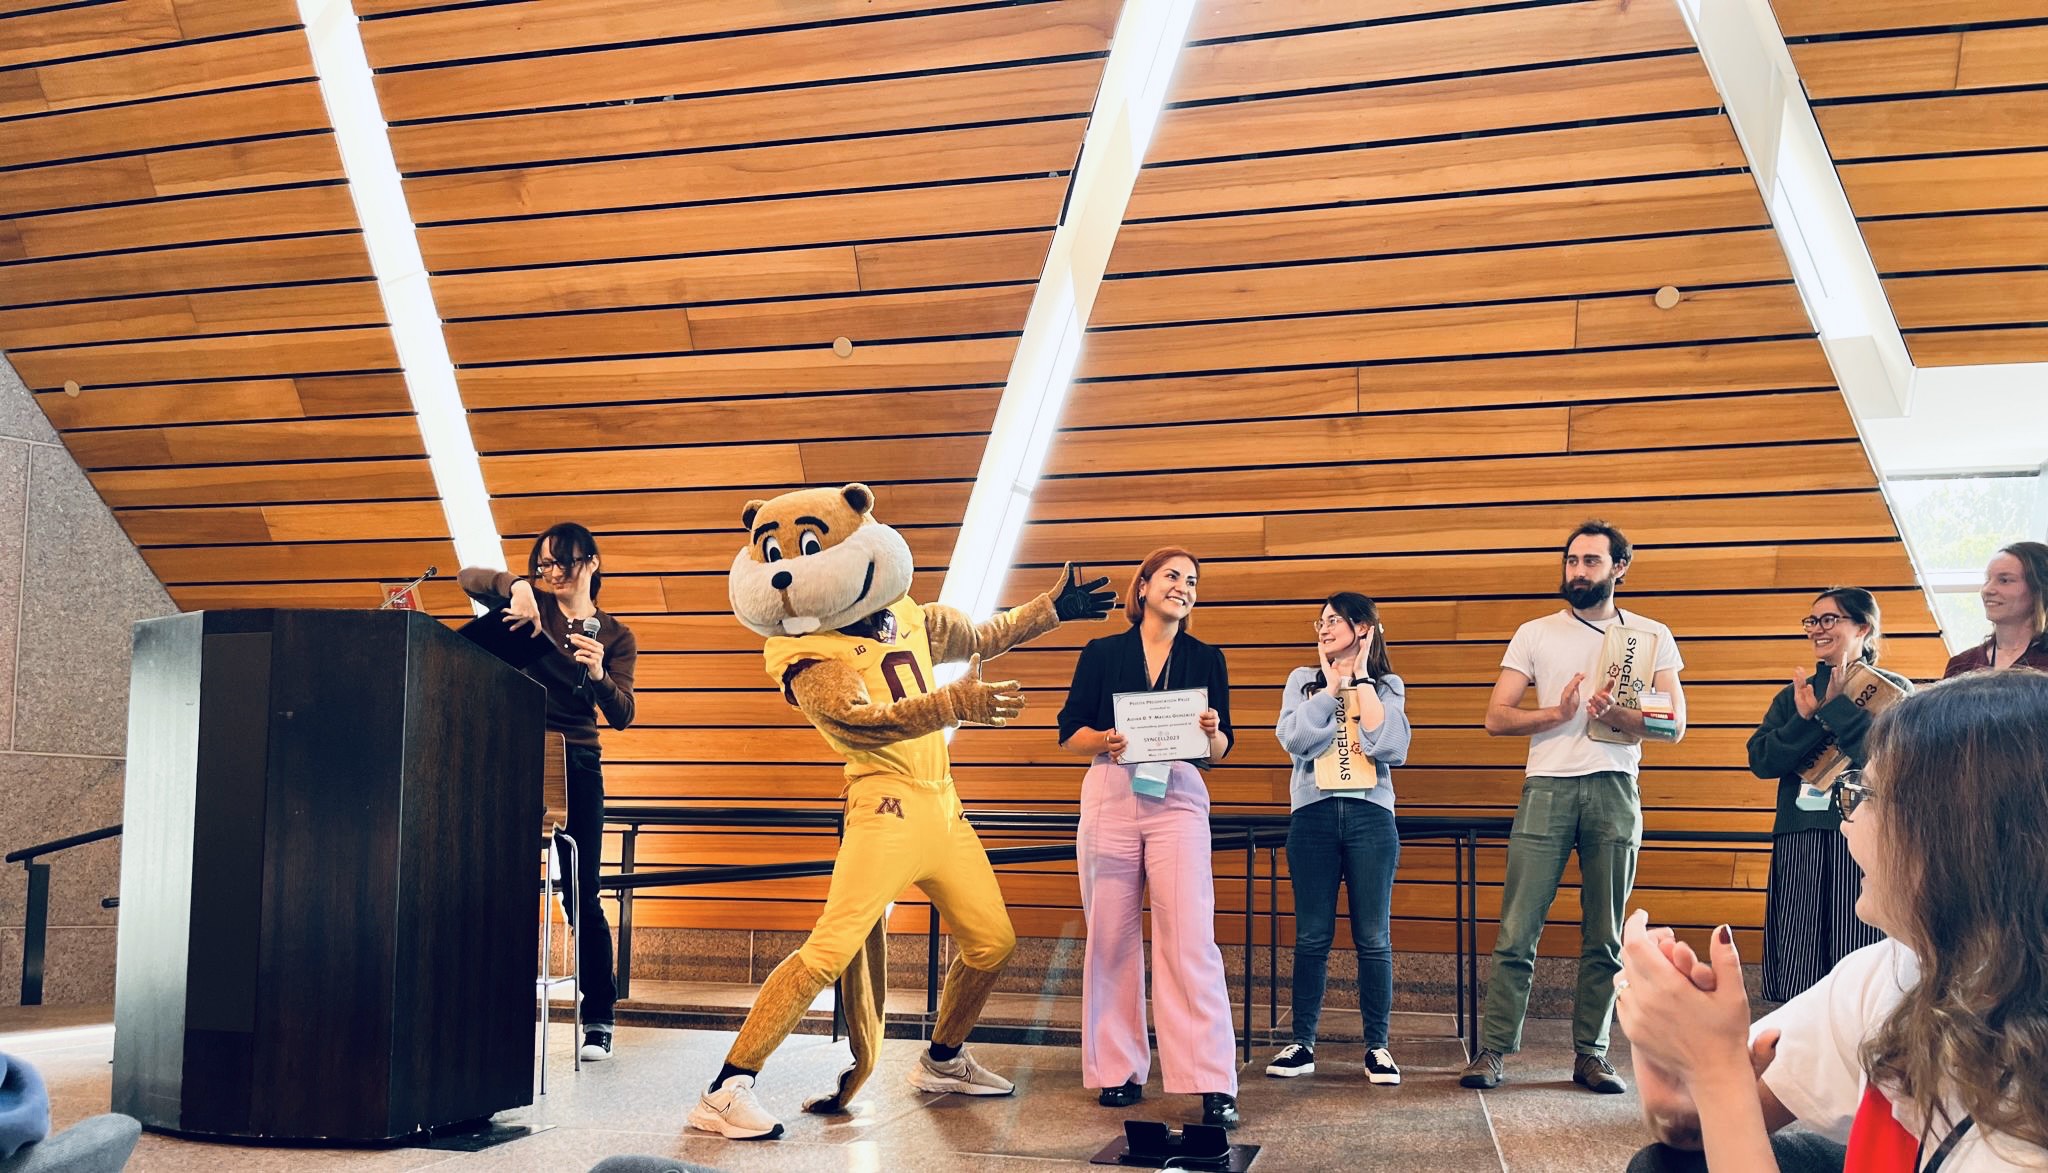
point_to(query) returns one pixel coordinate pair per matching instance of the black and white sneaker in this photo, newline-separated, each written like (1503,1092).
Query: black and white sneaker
(597,1043)
(1379,1066)
(1293,1059)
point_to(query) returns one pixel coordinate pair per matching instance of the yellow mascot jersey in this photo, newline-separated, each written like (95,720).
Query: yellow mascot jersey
(890,671)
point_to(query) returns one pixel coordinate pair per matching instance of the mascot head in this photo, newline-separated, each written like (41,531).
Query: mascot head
(816,560)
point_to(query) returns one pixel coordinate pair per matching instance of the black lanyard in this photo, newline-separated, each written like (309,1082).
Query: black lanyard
(1161,682)
(1621,619)
(1948,1145)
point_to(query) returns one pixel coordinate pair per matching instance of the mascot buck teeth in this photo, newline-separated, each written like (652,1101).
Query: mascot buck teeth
(828,585)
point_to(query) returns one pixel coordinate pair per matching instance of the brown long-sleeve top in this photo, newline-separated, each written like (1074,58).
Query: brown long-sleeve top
(574,699)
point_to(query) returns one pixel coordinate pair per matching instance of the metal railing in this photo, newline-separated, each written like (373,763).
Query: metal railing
(1228,832)
(1248,833)
(35,926)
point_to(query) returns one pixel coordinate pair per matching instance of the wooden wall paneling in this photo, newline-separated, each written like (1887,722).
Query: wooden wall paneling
(1509,368)
(644,327)
(1937,125)
(306,158)
(1804,18)
(994,93)
(713,228)
(920,157)
(260,59)
(771,58)
(179,247)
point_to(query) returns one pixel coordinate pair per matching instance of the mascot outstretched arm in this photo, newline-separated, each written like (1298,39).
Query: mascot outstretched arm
(828,585)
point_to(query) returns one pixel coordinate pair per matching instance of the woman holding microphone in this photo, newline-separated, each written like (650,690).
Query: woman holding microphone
(1342,827)
(1148,826)
(590,672)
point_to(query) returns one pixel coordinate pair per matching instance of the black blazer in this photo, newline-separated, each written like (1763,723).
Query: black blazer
(1116,663)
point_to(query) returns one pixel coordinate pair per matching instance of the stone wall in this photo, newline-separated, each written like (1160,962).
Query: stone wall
(70,585)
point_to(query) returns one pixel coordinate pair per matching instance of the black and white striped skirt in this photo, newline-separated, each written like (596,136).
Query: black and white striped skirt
(1810,911)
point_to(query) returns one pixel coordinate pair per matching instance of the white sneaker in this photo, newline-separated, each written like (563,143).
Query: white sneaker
(733,1113)
(1380,1067)
(960,1074)
(597,1046)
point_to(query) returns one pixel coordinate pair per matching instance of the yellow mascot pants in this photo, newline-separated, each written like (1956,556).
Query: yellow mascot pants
(898,833)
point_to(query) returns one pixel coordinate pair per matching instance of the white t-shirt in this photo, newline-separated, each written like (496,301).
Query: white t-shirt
(1553,649)
(1818,1073)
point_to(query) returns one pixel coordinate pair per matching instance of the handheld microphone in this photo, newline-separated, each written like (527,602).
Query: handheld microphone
(587,627)
(407,588)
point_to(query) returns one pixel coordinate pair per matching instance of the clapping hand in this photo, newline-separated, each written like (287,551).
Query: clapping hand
(1568,704)
(1687,1016)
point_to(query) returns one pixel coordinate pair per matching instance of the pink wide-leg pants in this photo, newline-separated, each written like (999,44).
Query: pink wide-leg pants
(1126,842)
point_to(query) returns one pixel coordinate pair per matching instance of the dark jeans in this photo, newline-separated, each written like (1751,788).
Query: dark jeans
(586,826)
(1797,1152)
(1353,841)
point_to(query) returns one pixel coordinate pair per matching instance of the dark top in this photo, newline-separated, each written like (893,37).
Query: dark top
(1979,658)
(1116,663)
(1787,741)
(573,697)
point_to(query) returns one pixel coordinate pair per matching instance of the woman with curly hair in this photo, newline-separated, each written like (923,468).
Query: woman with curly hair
(1926,1051)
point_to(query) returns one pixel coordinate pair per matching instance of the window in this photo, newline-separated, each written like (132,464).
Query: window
(1955,524)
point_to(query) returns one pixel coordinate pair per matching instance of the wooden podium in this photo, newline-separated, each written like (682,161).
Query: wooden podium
(327,877)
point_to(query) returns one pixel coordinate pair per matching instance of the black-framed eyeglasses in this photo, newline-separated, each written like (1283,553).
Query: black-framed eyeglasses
(549,566)
(1851,794)
(1813,623)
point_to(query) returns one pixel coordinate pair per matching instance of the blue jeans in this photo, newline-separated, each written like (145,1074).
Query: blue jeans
(1353,841)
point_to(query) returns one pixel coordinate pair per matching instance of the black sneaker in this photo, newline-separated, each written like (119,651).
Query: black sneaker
(1380,1067)
(1293,1059)
(597,1043)
(1219,1110)
(1122,1097)
(1486,1070)
(1596,1073)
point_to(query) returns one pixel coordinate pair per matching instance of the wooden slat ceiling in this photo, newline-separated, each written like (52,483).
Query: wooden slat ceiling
(1380,318)
(179,242)
(649,223)
(1936,112)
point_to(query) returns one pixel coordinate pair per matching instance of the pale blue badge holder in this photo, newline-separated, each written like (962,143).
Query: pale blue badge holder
(1149,778)
(1811,799)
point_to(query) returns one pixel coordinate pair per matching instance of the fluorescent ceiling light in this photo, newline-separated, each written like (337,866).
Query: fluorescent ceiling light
(1148,40)
(373,183)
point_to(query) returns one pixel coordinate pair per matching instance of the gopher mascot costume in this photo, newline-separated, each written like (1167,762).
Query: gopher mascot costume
(828,584)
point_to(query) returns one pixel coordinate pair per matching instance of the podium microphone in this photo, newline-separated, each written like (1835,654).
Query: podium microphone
(391,597)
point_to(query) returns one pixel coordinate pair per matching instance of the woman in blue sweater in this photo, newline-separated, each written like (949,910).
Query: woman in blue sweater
(1343,831)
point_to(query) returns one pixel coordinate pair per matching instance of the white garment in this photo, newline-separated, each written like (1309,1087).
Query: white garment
(1550,651)
(1818,1073)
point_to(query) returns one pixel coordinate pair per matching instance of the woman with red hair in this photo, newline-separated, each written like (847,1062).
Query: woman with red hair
(1141,824)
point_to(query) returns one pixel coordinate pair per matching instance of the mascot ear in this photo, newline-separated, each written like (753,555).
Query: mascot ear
(748,514)
(859,498)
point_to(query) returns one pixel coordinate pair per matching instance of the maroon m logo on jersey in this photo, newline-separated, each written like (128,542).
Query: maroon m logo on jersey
(890,806)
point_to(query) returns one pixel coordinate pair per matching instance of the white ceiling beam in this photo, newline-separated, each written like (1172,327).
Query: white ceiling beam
(363,137)
(1142,55)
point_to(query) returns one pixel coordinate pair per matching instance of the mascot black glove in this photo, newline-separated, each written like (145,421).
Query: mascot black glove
(1074,599)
